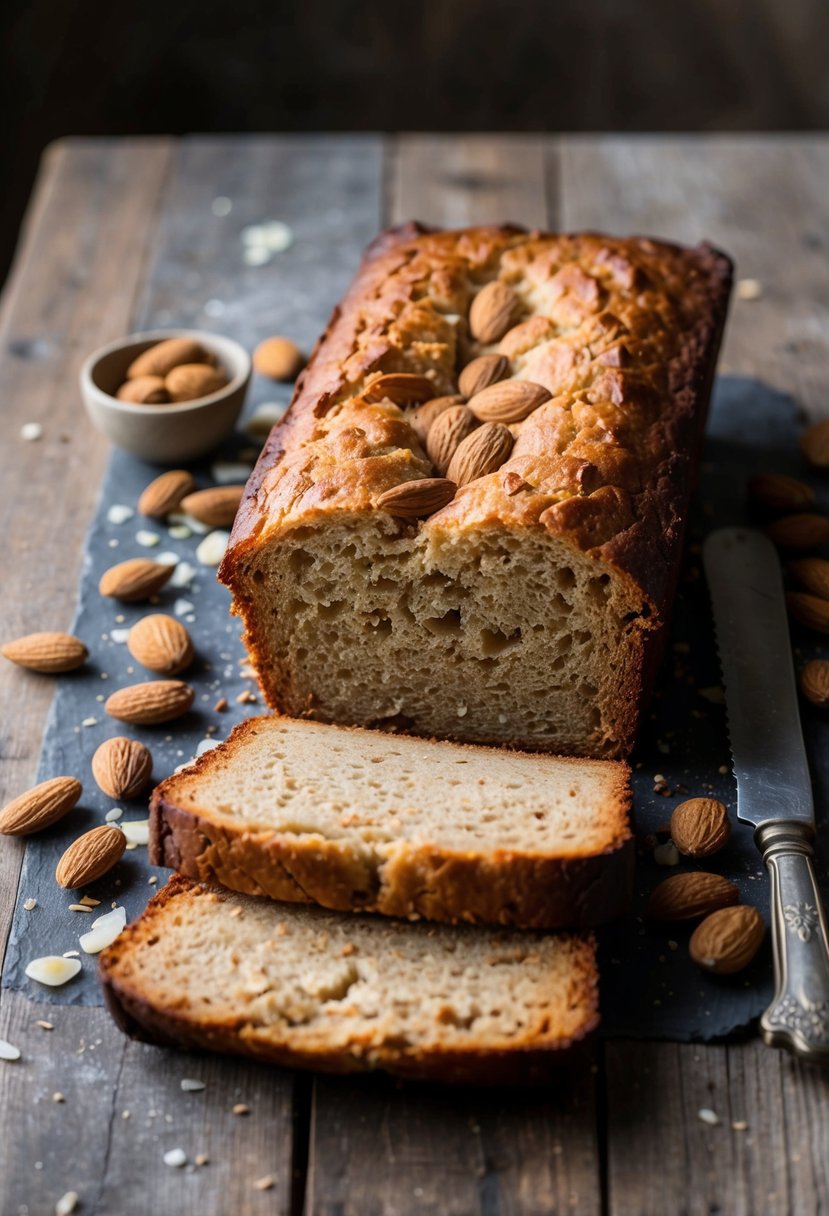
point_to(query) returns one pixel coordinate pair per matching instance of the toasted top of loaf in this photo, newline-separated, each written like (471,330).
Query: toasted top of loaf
(310,988)
(622,332)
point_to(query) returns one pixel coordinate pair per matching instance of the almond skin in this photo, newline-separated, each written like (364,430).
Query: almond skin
(808,610)
(165,493)
(151,703)
(134,580)
(494,310)
(814,444)
(449,429)
(417,499)
(421,419)
(813,575)
(403,388)
(91,856)
(508,401)
(689,896)
(700,827)
(777,492)
(814,682)
(122,767)
(192,381)
(216,507)
(278,359)
(482,452)
(161,643)
(481,372)
(161,358)
(799,532)
(51,653)
(144,390)
(727,940)
(40,807)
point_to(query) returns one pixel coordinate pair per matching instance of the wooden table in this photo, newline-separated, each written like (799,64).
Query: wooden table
(123,234)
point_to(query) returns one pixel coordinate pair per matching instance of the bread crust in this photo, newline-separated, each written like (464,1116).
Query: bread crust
(522,889)
(531,1062)
(618,489)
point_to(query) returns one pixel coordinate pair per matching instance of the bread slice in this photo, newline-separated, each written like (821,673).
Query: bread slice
(312,989)
(361,820)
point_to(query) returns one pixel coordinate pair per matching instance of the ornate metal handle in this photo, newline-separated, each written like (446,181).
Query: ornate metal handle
(798,1017)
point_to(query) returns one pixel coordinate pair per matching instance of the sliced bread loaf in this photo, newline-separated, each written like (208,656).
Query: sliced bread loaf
(312,989)
(360,820)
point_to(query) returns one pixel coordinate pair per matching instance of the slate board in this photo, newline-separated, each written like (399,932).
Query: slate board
(649,987)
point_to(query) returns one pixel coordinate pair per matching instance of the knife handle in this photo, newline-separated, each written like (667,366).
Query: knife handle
(798,1017)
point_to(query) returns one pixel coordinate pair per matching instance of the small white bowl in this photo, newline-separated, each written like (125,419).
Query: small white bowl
(164,434)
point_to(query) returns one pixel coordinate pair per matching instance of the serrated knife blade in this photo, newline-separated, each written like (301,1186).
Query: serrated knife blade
(774,791)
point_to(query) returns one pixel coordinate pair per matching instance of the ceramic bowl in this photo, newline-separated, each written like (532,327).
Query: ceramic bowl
(164,434)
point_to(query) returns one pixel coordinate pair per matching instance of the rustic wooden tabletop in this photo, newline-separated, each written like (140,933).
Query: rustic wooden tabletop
(121,234)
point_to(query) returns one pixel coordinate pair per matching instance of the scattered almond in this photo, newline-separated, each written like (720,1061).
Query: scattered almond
(46,652)
(134,580)
(161,643)
(403,388)
(278,359)
(122,767)
(800,532)
(164,494)
(447,431)
(814,682)
(809,610)
(91,856)
(144,390)
(777,492)
(700,827)
(151,703)
(192,381)
(813,575)
(417,499)
(494,310)
(215,507)
(482,452)
(728,939)
(508,401)
(162,357)
(481,372)
(688,896)
(40,807)
(421,419)
(814,444)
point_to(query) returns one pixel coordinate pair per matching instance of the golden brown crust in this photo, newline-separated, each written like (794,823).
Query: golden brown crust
(508,887)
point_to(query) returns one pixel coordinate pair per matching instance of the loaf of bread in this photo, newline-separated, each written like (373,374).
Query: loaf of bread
(360,820)
(307,988)
(526,607)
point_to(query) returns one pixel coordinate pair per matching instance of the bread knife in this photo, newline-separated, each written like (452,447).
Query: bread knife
(774,789)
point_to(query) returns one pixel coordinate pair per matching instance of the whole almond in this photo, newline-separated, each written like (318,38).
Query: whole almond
(46,652)
(122,767)
(151,703)
(144,390)
(161,643)
(688,896)
(508,401)
(421,419)
(800,532)
(191,381)
(216,507)
(777,492)
(813,574)
(700,827)
(162,357)
(134,580)
(809,610)
(417,499)
(165,493)
(448,430)
(814,682)
(278,359)
(91,856)
(40,807)
(403,388)
(814,444)
(482,452)
(481,372)
(494,310)
(728,939)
